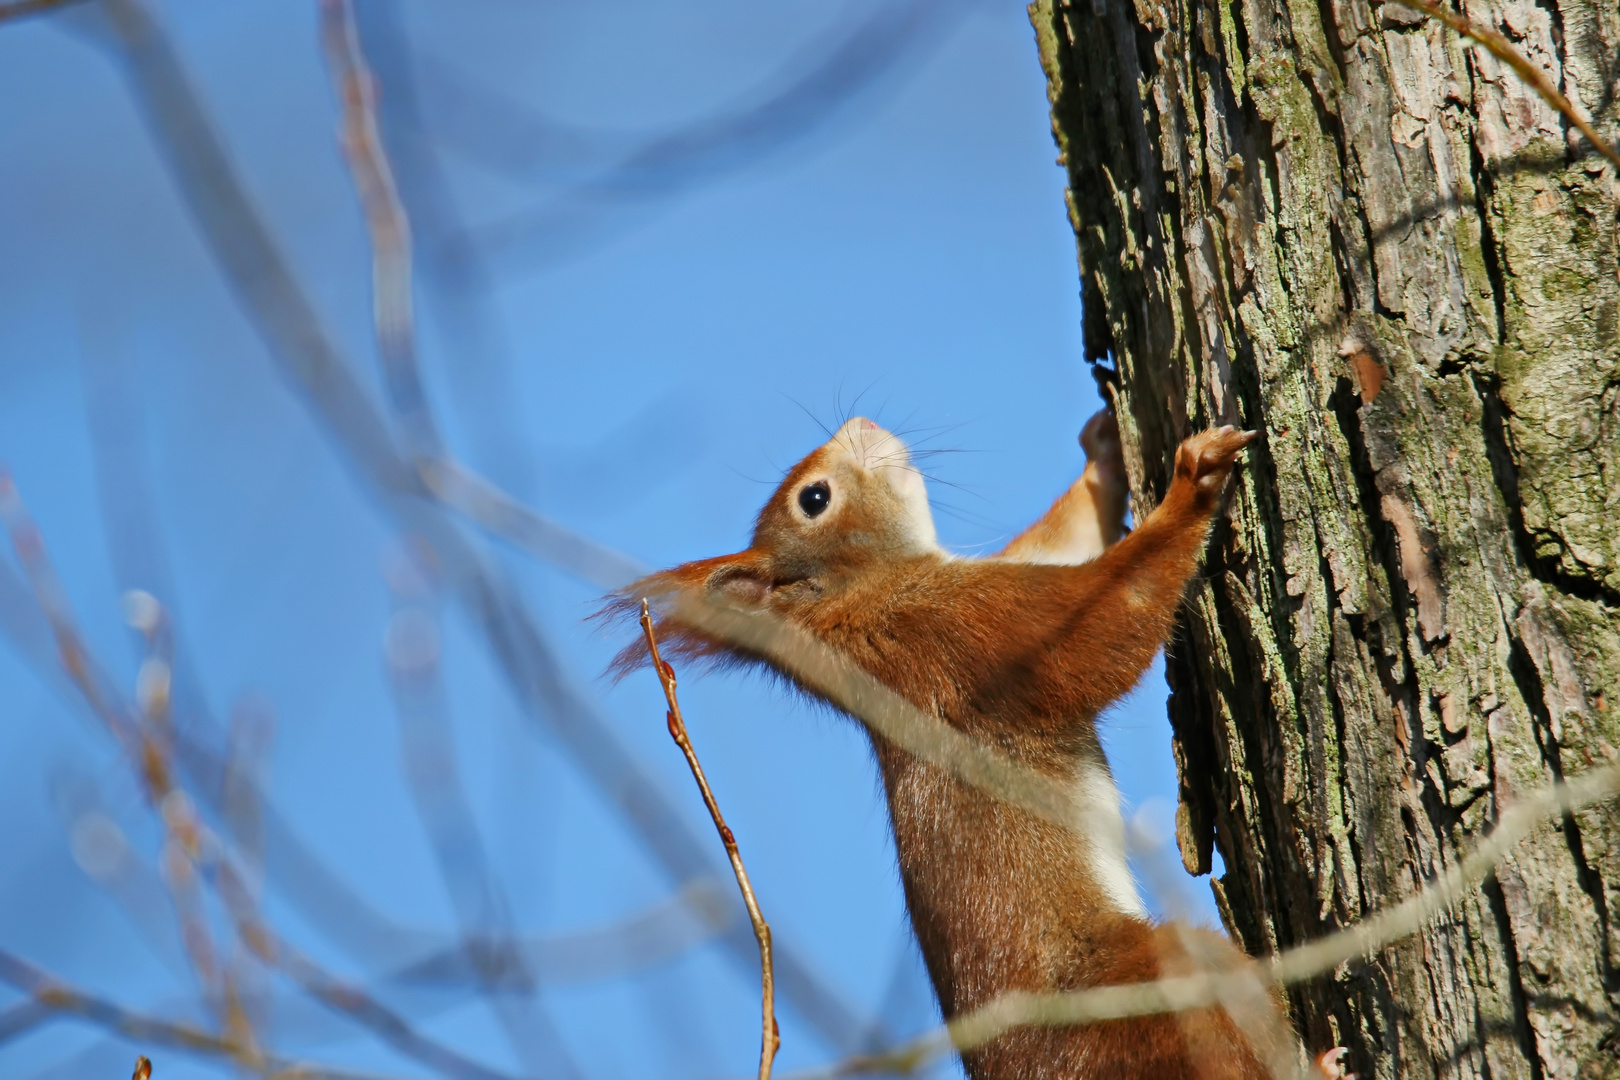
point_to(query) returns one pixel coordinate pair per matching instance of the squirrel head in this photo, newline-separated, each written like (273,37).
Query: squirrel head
(851,507)
(854,500)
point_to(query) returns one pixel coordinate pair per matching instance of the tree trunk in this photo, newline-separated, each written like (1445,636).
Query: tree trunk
(1341,225)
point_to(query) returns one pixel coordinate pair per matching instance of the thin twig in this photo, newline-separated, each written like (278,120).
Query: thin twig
(1176,994)
(770,1038)
(475,892)
(59,998)
(1499,46)
(281,312)
(143,737)
(390,229)
(182,838)
(191,848)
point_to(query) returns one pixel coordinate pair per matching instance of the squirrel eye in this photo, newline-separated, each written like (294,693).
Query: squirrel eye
(814,499)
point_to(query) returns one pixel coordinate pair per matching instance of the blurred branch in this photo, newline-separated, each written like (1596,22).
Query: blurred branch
(279,310)
(483,390)
(21,9)
(392,305)
(189,846)
(1022,1008)
(56,998)
(482,502)
(489,942)
(413,656)
(510,137)
(791,647)
(22,1017)
(666,165)
(697,913)
(135,550)
(182,841)
(247,756)
(102,850)
(770,1039)
(1249,1005)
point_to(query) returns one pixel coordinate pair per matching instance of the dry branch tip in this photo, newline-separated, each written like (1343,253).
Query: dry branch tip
(770,1036)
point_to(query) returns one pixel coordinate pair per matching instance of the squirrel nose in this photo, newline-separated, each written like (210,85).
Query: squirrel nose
(868,425)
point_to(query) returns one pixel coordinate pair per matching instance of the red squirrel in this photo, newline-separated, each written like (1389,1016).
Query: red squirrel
(1021,650)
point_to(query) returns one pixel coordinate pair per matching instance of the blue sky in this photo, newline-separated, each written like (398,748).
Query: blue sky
(642,366)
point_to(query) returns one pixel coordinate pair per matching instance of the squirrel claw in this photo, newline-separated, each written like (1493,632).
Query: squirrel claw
(1331,1065)
(1207,458)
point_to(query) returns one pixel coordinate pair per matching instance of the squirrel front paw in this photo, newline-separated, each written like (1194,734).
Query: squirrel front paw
(1100,437)
(1330,1065)
(1207,458)
(1100,440)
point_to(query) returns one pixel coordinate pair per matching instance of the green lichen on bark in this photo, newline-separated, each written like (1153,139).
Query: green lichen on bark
(1333,221)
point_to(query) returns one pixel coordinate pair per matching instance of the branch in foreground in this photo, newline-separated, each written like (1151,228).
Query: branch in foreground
(889,34)
(770,1039)
(20,9)
(198,848)
(280,311)
(433,775)
(56,997)
(451,828)
(22,1017)
(1533,77)
(697,913)
(1023,1009)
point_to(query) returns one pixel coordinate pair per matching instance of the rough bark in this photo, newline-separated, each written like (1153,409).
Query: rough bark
(1337,223)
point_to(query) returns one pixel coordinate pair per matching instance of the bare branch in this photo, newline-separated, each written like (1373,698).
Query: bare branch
(770,1039)
(385,220)
(1022,1008)
(818,668)
(190,846)
(1501,48)
(57,998)
(448,821)
(698,912)
(480,501)
(489,940)
(21,1018)
(21,9)
(889,34)
(280,311)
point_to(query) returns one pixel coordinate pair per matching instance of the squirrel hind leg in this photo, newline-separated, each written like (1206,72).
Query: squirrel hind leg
(1090,516)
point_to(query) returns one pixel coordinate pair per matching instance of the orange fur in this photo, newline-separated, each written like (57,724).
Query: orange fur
(1090,515)
(1021,651)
